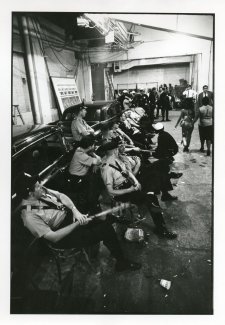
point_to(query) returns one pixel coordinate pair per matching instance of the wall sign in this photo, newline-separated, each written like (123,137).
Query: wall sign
(66,92)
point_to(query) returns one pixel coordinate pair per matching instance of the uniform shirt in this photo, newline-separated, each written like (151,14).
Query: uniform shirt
(80,128)
(40,221)
(129,161)
(80,163)
(167,146)
(205,115)
(190,93)
(140,111)
(110,175)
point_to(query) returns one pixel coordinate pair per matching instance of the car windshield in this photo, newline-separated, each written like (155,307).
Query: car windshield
(37,157)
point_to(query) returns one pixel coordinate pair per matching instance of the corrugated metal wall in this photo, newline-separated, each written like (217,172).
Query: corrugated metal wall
(170,73)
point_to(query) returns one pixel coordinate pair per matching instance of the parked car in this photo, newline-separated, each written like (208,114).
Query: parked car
(38,149)
(98,114)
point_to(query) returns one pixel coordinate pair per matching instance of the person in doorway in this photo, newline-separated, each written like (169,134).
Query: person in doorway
(186,119)
(79,126)
(205,116)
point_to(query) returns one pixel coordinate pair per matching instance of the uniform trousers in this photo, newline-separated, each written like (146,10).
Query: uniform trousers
(91,234)
(155,177)
(140,197)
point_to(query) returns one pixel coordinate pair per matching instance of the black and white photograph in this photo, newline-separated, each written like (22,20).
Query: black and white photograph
(112,162)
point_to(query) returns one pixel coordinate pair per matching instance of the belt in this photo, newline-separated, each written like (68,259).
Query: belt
(37,207)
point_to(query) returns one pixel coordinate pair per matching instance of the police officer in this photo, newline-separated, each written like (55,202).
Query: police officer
(53,216)
(85,175)
(79,126)
(124,187)
(167,146)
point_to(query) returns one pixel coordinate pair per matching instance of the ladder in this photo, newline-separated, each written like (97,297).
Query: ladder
(16,113)
(111,88)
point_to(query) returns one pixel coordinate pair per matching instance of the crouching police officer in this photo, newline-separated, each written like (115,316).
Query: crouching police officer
(124,187)
(52,215)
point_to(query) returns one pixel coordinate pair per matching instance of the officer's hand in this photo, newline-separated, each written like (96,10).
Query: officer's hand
(81,218)
(137,186)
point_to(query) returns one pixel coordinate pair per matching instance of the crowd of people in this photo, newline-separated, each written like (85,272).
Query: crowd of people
(124,162)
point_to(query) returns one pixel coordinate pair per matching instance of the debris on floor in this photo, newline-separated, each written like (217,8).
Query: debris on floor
(165,283)
(134,234)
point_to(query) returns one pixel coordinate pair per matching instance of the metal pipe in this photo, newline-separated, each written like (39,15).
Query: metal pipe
(31,74)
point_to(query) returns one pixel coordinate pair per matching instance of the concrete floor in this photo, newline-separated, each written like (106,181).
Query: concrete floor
(186,262)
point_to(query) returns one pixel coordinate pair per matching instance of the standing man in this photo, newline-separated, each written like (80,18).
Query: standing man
(205,93)
(190,93)
(79,126)
(53,216)
(165,104)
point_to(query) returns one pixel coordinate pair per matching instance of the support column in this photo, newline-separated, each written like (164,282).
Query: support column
(31,75)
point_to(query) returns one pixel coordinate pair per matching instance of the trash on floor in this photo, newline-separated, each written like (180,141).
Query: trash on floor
(134,234)
(209,261)
(165,283)
(174,276)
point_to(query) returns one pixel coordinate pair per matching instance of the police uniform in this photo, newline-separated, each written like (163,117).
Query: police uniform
(167,146)
(112,174)
(80,128)
(47,214)
(39,217)
(153,177)
(86,183)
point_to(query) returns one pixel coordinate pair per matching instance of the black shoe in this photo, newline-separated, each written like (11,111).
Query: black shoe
(168,197)
(175,175)
(162,120)
(201,149)
(168,120)
(164,233)
(208,153)
(127,265)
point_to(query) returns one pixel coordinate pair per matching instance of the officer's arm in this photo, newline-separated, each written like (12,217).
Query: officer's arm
(125,136)
(65,200)
(55,236)
(134,179)
(137,166)
(119,192)
(97,160)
